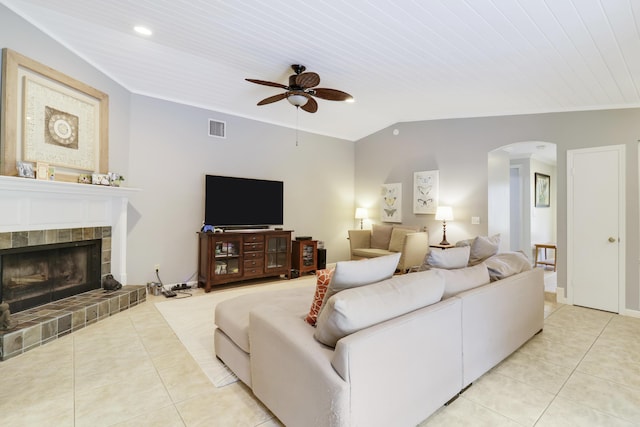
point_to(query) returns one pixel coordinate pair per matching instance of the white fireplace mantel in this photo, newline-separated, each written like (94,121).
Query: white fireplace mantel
(29,204)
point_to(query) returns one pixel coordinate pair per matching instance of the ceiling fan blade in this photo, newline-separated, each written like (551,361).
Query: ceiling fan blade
(311,106)
(273,98)
(332,94)
(307,80)
(266,83)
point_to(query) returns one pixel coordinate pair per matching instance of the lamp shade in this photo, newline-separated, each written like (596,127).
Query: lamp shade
(361,213)
(444,213)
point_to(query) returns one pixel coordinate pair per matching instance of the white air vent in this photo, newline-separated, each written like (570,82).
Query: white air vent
(217,128)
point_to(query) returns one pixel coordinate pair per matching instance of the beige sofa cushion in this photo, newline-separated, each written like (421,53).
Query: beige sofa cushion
(462,279)
(351,274)
(354,309)
(369,252)
(232,315)
(380,236)
(397,238)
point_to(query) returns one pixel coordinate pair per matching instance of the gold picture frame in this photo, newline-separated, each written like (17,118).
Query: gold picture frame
(50,117)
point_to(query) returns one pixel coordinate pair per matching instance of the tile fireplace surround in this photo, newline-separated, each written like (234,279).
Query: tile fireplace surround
(35,212)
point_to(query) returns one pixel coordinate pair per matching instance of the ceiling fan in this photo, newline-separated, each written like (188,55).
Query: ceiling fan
(301,90)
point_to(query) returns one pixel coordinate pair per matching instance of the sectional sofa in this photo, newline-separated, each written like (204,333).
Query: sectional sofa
(385,350)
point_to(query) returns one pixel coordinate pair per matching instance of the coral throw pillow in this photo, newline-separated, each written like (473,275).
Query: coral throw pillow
(323,279)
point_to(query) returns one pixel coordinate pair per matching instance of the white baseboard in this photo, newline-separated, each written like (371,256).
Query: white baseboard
(631,313)
(560,296)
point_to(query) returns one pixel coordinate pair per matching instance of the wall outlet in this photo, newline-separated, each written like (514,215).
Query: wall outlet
(475,220)
(156,267)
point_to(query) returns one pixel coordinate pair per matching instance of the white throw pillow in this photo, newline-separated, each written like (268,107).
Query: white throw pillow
(483,247)
(462,279)
(506,264)
(354,309)
(351,274)
(448,258)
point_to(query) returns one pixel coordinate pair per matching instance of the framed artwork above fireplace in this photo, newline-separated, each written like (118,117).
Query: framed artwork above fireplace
(50,117)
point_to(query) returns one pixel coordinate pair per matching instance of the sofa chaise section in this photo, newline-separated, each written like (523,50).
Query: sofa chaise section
(231,336)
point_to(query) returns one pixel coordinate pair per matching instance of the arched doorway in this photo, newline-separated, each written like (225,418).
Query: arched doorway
(512,210)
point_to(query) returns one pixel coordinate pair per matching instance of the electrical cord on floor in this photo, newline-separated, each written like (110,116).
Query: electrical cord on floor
(159,279)
(184,293)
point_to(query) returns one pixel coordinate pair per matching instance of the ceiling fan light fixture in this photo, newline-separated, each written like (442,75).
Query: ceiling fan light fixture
(297,100)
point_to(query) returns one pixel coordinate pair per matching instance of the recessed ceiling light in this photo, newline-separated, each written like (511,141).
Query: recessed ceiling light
(142,30)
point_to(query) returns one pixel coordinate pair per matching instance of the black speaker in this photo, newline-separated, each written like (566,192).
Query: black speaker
(322,259)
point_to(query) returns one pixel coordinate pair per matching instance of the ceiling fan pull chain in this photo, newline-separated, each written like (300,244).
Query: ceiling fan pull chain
(297,114)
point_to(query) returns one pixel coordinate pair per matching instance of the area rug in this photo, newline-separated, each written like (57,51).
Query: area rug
(192,321)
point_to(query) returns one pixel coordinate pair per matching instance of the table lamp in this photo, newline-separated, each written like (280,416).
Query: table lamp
(361,214)
(444,213)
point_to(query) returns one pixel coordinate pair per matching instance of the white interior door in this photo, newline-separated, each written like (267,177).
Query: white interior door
(595,216)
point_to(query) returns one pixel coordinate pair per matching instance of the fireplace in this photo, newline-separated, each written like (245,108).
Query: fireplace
(66,215)
(35,275)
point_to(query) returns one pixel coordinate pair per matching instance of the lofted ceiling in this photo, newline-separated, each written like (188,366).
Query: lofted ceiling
(405,60)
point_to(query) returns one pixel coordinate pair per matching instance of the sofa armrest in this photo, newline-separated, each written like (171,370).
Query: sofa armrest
(359,239)
(291,372)
(404,369)
(414,250)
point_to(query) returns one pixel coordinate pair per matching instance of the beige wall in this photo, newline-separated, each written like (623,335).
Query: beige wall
(458,149)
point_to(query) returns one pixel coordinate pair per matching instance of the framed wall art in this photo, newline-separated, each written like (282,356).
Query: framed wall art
(542,190)
(425,192)
(391,202)
(52,118)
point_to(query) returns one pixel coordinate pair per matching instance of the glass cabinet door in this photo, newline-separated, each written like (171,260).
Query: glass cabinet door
(277,252)
(227,256)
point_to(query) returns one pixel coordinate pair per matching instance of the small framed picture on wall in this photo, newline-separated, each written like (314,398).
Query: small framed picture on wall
(542,190)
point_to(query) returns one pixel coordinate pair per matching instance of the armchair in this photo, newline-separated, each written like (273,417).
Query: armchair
(384,240)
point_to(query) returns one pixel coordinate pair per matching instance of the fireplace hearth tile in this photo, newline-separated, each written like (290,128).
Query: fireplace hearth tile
(32,336)
(40,325)
(49,329)
(103,310)
(78,319)
(11,344)
(64,324)
(114,305)
(124,302)
(92,314)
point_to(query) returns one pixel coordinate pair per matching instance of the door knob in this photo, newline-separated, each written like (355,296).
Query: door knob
(612,240)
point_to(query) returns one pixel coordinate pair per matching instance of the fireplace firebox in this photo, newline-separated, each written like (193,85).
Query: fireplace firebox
(34,275)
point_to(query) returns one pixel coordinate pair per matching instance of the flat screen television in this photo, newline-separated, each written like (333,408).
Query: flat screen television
(242,202)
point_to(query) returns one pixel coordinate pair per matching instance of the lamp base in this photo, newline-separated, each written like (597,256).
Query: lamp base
(445,243)
(444,233)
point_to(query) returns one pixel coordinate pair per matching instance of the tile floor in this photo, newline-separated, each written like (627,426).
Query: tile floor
(131,370)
